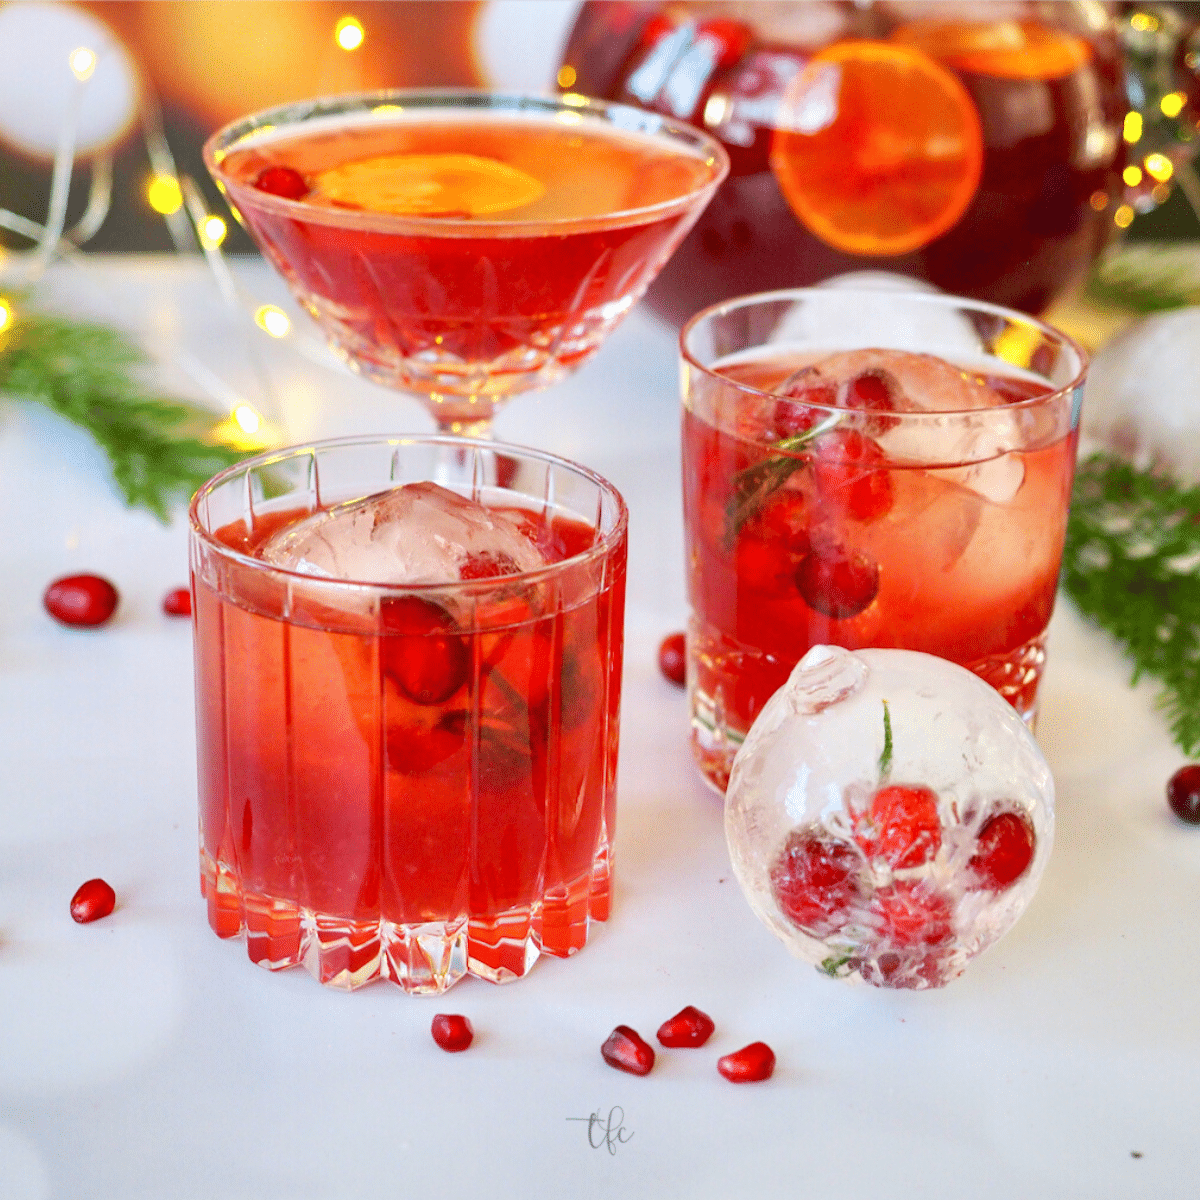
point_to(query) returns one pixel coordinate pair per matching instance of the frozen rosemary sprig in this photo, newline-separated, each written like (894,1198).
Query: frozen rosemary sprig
(1132,564)
(159,449)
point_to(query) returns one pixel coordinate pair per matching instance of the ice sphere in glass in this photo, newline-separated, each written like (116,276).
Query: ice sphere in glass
(889,815)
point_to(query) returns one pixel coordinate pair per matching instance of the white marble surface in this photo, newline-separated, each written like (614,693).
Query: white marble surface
(143,1059)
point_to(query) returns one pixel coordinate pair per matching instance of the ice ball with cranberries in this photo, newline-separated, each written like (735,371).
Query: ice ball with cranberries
(889,815)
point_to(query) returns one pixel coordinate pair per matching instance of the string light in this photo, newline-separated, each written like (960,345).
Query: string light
(164,194)
(1158,167)
(566,77)
(1123,217)
(213,231)
(1172,104)
(83,63)
(273,321)
(6,314)
(248,420)
(348,33)
(1132,130)
(1132,176)
(1098,200)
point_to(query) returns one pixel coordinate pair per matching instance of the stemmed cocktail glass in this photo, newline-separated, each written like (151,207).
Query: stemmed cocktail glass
(465,246)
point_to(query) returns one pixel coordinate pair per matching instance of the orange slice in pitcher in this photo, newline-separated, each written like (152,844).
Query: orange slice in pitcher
(426,185)
(878,149)
(1002,49)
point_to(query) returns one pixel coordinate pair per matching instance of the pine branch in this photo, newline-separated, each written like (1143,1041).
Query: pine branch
(159,449)
(1132,564)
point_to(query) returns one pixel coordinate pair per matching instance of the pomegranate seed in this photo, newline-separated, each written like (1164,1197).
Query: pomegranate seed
(422,649)
(902,827)
(81,600)
(814,880)
(837,582)
(908,913)
(672,658)
(1004,850)
(792,414)
(1183,794)
(93,900)
(626,1050)
(687,1028)
(178,603)
(282,181)
(846,472)
(452,1032)
(876,391)
(750,1064)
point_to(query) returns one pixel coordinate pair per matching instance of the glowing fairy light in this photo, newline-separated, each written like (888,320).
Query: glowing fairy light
(1123,217)
(566,77)
(1132,131)
(1098,200)
(1159,167)
(164,194)
(213,231)
(274,321)
(83,63)
(348,33)
(6,314)
(248,420)
(1172,104)
(1132,176)
(1144,22)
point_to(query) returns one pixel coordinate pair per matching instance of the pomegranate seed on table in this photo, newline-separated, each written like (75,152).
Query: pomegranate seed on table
(81,600)
(178,602)
(902,826)
(672,658)
(282,181)
(452,1032)
(689,1027)
(627,1050)
(1004,850)
(750,1064)
(1183,794)
(92,900)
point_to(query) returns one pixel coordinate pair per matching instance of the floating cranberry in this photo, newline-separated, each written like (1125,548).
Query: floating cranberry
(93,900)
(847,472)
(282,181)
(750,1064)
(837,582)
(1183,794)
(452,1032)
(902,826)
(81,600)
(672,658)
(178,603)
(1004,850)
(689,1027)
(803,397)
(626,1050)
(815,880)
(422,649)
(876,391)
(910,914)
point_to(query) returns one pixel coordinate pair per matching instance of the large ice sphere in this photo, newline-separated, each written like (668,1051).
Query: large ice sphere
(420,533)
(888,816)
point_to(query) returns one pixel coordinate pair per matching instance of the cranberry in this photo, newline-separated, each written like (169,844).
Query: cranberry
(802,389)
(81,600)
(689,1027)
(814,880)
(1003,851)
(847,472)
(282,181)
(1183,794)
(902,826)
(422,649)
(837,582)
(178,603)
(874,390)
(672,658)
(626,1050)
(750,1064)
(452,1032)
(93,900)
(910,914)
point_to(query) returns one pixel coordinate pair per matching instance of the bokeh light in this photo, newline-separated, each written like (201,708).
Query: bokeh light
(83,63)
(1132,131)
(164,194)
(1158,167)
(213,231)
(248,420)
(349,33)
(273,320)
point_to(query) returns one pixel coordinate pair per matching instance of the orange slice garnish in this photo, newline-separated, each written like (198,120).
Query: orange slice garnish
(1002,49)
(878,148)
(426,185)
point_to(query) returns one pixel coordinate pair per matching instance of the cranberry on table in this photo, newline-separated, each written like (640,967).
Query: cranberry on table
(688,1028)
(452,1032)
(86,600)
(1183,793)
(672,658)
(627,1050)
(93,900)
(178,602)
(750,1064)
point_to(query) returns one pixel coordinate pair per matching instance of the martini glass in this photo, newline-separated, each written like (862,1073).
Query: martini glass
(465,246)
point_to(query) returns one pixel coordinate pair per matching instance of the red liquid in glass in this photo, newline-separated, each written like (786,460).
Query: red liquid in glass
(363,833)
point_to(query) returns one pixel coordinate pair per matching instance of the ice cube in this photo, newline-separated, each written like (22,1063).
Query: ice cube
(889,815)
(420,533)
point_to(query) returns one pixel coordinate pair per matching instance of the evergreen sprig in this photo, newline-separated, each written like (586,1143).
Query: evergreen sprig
(159,449)
(1132,564)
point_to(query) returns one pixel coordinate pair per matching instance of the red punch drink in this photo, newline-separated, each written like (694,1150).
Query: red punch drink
(464,246)
(407,707)
(869,469)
